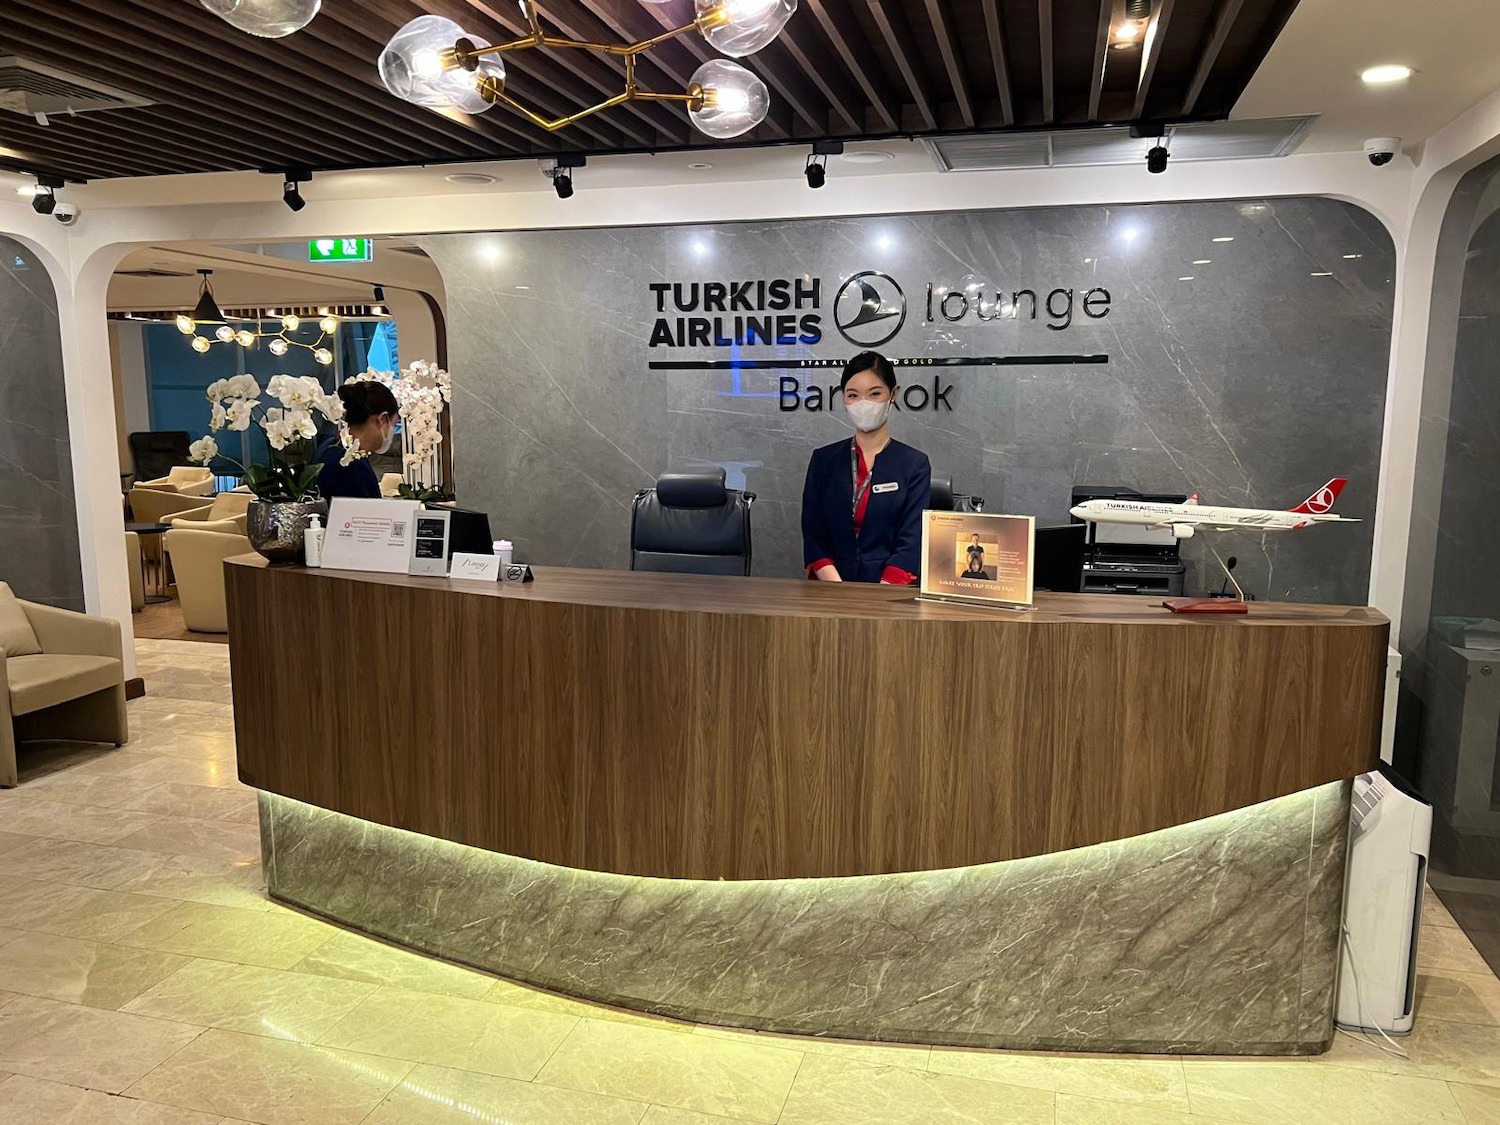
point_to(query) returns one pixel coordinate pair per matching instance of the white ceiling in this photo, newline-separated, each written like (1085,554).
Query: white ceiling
(1313,69)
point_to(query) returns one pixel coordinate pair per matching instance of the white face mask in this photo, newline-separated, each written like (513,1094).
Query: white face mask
(390,440)
(867,416)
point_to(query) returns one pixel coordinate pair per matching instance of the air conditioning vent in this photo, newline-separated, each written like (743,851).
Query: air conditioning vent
(150,273)
(31,88)
(1206,140)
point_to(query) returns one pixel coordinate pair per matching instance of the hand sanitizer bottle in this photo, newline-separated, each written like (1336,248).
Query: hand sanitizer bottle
(312,541)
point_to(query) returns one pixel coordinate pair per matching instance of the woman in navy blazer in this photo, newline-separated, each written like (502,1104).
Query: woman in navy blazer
(863,500)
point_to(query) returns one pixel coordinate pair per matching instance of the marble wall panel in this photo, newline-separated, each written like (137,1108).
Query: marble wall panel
(1215,937)
(1253,382)
(37,520)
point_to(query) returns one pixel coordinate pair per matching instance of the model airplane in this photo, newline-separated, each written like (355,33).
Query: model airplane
(1186,518)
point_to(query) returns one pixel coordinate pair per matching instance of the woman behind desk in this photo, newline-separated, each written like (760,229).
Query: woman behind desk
(371,413)
(863,500)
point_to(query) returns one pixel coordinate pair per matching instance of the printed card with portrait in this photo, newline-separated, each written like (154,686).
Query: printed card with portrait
(981,558)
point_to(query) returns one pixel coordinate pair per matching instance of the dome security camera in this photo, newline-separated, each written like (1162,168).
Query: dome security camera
(1382,150)
(65,213)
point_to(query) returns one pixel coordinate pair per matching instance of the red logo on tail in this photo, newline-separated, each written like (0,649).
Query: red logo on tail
(1322,501)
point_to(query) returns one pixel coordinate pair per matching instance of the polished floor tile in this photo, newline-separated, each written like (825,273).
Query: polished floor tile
(201,802)
(273,939)
(519,995)
(671,1068)
(883,1054)
(451,1032)
(271,1081)
(833,1091)
(1266,1092)
(668,1115)
(213,882)
(81,972)
(76,911)
(104,867)
(1446,948)
(432,1095)
(10,841)
(1480,1104)
(1465,997)
(1440,1049)
(248,998)
(35,1101)
(209,839)
(102,792)
(159,768)
(351,956)
(85,1046)
(1157,1081)
(34,815)
(1075,1110)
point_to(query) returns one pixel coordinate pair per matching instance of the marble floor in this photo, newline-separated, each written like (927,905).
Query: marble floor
(145,979)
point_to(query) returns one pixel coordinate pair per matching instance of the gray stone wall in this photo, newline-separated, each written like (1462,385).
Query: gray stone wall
(37,523)
(1247,344)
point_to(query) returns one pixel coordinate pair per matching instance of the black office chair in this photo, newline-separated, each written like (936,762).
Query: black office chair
(691,524)
(157,452)
(944,499)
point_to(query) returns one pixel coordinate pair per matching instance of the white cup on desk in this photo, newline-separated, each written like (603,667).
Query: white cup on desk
(504,548)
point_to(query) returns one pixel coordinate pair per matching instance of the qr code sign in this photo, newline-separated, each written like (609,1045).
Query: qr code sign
(398,528)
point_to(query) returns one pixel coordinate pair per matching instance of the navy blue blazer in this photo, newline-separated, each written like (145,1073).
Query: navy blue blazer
(355,479)
(892,532)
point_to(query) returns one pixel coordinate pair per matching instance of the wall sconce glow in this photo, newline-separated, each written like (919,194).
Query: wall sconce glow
(269,19)
(1385,74)
(741,27)
(734,101)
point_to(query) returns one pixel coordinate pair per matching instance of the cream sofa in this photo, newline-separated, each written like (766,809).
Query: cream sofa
(198,564)
(226,514)
(157,505)
(188,480)
(64,675)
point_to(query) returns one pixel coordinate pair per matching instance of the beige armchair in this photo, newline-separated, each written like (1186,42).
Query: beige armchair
(64,677)
(198,562)
(188,480)
(137,574)
(226,514)
(155,505)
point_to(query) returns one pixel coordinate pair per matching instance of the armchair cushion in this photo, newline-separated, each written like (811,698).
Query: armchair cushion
(198,561)
(190,480)
(155,505)
(17,637)
(45,680)
(61,631)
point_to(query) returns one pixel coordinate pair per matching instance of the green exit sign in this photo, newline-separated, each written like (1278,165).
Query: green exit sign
(340,250)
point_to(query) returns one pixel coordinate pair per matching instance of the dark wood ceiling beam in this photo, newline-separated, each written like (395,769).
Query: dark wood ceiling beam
(844,35)
(1271,26)
(1151,50)
(953,63)
(1044,35)
(1208,54)
(1101,57)
(222,85)
(25,166)
(817,64)
(79,159)
(84,138)
(899,41)
(605,74)
(995,33)
(242,74)
(542,80)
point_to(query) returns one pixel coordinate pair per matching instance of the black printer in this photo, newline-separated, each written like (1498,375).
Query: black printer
(1125,559)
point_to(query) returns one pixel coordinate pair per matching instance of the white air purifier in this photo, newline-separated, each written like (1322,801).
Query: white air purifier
(1390,833)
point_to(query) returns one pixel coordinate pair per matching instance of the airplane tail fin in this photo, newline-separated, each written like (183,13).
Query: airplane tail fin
(1322,501)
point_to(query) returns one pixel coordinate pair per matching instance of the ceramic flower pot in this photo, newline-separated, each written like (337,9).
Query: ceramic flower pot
(275,528)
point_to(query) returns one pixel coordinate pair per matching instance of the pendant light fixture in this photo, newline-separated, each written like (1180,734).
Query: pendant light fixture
(433,62)
(207,315)
(269,19)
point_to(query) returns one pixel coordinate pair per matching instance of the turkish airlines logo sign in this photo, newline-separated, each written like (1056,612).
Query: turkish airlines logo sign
(869,309)
(1321,502)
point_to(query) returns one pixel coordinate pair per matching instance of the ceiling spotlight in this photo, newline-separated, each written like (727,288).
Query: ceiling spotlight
(816,171)
(1385,74)
(291,194)
(562,183)
(1156,159)
(378,308)
(43,196)
(560,172)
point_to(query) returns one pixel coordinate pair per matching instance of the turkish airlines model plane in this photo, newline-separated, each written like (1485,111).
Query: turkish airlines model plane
(1186,518)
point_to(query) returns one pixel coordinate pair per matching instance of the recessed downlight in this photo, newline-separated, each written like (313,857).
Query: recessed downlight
(1385,74)
(700,166)
(867,156)
(469,179)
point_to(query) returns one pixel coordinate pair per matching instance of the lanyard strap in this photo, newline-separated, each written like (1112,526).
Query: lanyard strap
(855,486)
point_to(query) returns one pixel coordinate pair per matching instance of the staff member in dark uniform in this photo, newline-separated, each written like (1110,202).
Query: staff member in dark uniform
(863,500)
(371,413)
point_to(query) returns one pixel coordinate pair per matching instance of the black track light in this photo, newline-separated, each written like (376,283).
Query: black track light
(562,183)
(816,171)
(379,309)
(44,199)
(1156,159)
(291,194)
(560,172)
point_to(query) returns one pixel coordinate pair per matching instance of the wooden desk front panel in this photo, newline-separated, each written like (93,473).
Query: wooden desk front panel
(720,744)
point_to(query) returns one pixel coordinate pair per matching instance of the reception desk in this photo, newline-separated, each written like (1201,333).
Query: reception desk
(824,809)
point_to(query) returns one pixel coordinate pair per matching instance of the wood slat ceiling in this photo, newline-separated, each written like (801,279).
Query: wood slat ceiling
(224,100)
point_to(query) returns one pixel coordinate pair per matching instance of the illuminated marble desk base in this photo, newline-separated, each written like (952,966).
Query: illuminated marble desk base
(1217,937)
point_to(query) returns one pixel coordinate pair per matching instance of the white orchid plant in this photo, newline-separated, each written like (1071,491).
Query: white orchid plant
(422,391)
(291,473)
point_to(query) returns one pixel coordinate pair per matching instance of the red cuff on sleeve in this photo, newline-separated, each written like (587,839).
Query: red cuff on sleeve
(814,567)
(898,577)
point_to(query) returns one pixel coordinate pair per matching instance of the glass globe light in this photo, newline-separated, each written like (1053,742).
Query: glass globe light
(329,325)
(323,356)
(412,66)
(741,27)
(244,337)
(269,19)
(734,100)
(224,333)
(291,322)
(200,344)
(185,324)
(278,346)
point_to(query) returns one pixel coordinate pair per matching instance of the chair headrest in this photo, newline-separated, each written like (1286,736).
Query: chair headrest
(702,489)
(942,492)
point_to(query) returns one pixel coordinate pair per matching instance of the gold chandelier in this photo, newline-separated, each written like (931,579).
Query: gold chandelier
(207,315)
(434,62)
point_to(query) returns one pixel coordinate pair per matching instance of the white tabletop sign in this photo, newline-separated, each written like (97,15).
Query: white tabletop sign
(482,568)
(370,534)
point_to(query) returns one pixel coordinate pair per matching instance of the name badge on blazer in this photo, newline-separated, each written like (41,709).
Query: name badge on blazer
(889,486)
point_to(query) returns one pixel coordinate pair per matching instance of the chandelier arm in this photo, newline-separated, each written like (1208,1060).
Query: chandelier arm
(462,54)
(495,92)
